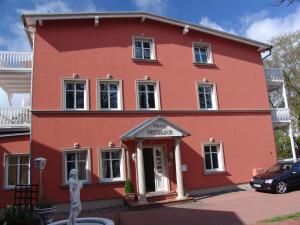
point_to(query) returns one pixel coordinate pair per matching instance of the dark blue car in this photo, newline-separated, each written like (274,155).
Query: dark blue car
(279,178)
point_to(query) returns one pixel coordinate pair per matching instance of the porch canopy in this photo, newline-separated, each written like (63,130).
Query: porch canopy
(156,128)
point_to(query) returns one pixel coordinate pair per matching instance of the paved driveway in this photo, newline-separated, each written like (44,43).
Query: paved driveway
(237,208)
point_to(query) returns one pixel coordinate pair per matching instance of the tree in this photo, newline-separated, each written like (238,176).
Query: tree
(280,2)
(286,55)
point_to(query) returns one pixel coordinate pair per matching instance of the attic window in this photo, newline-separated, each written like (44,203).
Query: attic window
(143,49)
(202,53)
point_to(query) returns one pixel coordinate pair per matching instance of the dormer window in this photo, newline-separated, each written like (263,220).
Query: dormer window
(202,53)
(143,49)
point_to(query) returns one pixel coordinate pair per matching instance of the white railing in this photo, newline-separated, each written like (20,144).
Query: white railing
(15,60)
(15,117)
(274,74)
(280,115)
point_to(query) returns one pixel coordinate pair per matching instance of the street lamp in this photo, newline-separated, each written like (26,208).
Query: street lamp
(40,164)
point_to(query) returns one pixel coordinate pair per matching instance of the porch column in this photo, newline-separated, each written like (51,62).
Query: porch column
(292,143)
(140,171)
(179,180)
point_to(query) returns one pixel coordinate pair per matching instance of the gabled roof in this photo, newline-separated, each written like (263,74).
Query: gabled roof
(30,20)
(134,133)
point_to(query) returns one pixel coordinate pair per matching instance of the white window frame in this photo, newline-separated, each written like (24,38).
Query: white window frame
(120,94)
(86,93)
(221,162)
(122,165)
(209,52)
(152,48)
(156,95)
(64,164)
(214,95)
(5,164)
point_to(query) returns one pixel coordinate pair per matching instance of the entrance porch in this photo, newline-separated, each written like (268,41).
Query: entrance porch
(152,158)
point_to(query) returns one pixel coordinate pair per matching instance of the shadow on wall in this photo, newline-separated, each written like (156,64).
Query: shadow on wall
(54,186)
(75,35)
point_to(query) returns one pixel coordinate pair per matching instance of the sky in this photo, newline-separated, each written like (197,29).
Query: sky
(255,19)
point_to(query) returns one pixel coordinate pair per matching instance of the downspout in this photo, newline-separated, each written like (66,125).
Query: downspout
(269,54)
(31,94)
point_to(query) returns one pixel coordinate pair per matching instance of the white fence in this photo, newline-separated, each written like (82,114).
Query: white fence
(274,74)
(280,115)
(14,117)
(15,60)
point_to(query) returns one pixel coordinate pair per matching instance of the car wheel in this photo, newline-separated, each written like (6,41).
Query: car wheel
(281,187)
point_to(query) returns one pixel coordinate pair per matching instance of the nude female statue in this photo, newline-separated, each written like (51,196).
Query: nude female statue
(74,187)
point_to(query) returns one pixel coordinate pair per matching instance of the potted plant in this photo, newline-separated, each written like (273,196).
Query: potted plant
(45,209)
(129,193)
(19,215)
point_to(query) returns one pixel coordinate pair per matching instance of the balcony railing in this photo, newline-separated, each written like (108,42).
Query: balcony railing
(15,60)
(14,117)
(274,75)
(280,115)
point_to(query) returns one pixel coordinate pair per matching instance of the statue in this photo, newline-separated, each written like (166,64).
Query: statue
(74,187)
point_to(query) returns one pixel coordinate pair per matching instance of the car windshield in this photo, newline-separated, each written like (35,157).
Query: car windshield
(279,167)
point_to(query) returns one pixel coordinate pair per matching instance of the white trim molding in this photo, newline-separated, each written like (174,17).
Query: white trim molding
(151,42)
(86,93)
(209,54)
(64,164)
(214,95)
(156,94)
(221,161)
(122,164)
(119,94)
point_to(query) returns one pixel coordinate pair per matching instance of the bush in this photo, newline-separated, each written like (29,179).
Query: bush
(18,215)
(128,187)
(44,203)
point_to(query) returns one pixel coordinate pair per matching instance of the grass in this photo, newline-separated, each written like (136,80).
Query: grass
(283,218)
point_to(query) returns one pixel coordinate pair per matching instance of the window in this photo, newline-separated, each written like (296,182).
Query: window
(202,53)
(148,95)
(207,98)
(77,159)
(213,156)
(75,94)
(143,48)
(110,94)
(17,170)
(111,165)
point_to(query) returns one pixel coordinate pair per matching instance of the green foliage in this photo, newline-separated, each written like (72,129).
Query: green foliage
(44,203)
(283,144)
(128,187)
(283,218)
(15,215)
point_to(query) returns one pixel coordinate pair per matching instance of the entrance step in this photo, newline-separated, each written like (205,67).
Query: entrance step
(161,197)
(160,200)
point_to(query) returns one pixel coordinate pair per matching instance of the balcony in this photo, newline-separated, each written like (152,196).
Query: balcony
(274,78)
(280,117)
(15,117)
(15,61)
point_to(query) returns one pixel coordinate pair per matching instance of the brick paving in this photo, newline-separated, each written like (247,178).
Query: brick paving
(237,208)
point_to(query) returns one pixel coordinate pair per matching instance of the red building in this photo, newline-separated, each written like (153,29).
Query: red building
(172,106)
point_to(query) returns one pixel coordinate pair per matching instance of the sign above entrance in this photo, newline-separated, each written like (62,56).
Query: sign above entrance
(155,128)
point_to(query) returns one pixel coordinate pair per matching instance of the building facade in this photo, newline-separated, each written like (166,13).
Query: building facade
(171,106)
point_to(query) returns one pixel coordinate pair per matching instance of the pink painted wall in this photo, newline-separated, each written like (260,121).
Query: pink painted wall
(10,145)
(64,48)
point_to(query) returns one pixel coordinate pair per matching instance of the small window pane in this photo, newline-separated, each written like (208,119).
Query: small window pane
(80,86)
(151,100)
(13,160)
(215,160)
(24,174)
(105,155)
(113,100)
(201,89)
(106,169)
(138,44)
(208,89)
(138,53)
(146,44)
(81,156)
(147,54)
(116,168)
(81,167)
(70,156)
(208,101)
(150,87)
(142,87)
(207,162)
(70,100)
(115,154)
(24,159)
(80,100)
(103,87)
(206,149)
(69,86)
(104,100)
(12,175)
(113,87)
(142,98)
(70,165)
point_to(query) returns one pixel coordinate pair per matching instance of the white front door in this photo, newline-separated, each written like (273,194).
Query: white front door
(160,169)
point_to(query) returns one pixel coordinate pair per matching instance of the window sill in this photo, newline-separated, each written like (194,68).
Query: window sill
(83,185)
(145,60)
(204,64)
(102,183)
(8,188)
(208,173)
